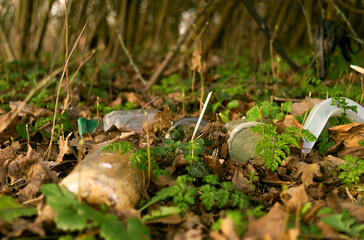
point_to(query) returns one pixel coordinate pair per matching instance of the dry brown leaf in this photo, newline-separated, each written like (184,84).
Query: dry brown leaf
(228,229)
(298,198)
(34,171)
(298,108)
(132,97)
(291,234)
(170,220)
(271,224)
(163,120)
(350,134)
(353,151)
(241,182)
(334,161)
(63,147)
(312,212)
(6,154)
(308,172)
(288,121)
(216,235)
(338,205)
(28,110)
(7,122)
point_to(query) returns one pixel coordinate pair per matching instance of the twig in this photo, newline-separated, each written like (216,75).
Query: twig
(68,99)
(341,14)
(308,22)
(362,90)
(148,146)
(83,62)
(201,115)
(59,89)
(174,50)
(121,40)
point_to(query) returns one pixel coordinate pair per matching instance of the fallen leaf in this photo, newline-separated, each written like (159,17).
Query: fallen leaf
(241,182)
(328,232)
(228,229)
(308,172)
(350,134)
(34,171)
(298,108)
(271,225)
(63,147)
(288,121)
(8,124)
(132,97)
(216,235)
(338,205)
(298,197)
(6,154)
(163,120)
(27,110)
(353,151)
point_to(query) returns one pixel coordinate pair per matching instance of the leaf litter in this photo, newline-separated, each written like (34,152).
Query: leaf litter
(290,198)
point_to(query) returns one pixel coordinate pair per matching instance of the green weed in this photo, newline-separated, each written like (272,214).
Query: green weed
(76,216)
(352,170)
(345,223)
(10,210)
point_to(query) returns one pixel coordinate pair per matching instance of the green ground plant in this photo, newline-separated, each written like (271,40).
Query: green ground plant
(324,142)
(139,158)
(351,171)
(211,194)
(216,193)
(10,210)
(345,223)
(274,147)
(77,217)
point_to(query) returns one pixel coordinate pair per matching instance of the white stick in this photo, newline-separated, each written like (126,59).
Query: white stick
(201,115)
(357,68)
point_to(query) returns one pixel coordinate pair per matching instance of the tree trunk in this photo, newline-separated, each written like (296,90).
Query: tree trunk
(43,28)
(22,24)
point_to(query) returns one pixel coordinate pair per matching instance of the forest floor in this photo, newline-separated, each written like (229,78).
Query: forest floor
(179,186)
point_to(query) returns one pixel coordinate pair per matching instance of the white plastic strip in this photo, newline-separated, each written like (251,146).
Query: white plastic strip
(321,113)
(201,114)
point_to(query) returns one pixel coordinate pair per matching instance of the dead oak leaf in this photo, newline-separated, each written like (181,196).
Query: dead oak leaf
(6,154)
(350,134)
(63,147)
(298,197)
(308,172)
(228,229)
(298,108)
(241,182)
(27,110)
(163,120)
(8,124)
(288,121)
(271,225)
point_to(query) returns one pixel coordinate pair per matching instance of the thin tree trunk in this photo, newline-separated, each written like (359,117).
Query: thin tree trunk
(130,30)
(23,23)
(218,30)
(141,25)
(7,45)
(43,28)
(159,24)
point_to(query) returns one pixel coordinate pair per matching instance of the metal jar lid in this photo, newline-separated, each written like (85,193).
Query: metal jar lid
(242,141)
